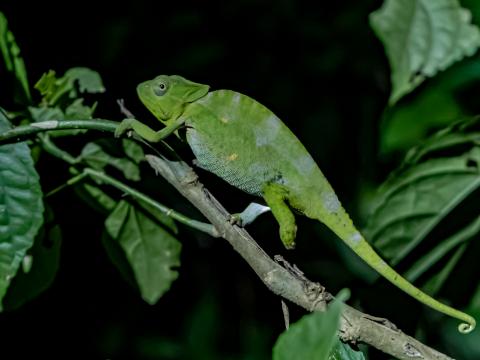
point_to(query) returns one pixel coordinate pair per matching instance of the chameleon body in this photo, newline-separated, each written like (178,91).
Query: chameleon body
(247,145)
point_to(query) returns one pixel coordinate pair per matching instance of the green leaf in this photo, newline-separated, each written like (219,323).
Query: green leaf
(21,206)
(434,107)
(312,337)
(97,195)
(54,89)
(459,134)
(11,56)
(43,113)
(76,110)
(89,81)
(118,258)
(97,158)
(410,123)
(153,253)
(61,98)
(421,38)
(343,351)
(433,285)
(47,86)
(133,150)
(444,247)
(415,200)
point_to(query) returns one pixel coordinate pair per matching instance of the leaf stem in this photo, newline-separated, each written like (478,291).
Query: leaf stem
(198,225)
(54,150)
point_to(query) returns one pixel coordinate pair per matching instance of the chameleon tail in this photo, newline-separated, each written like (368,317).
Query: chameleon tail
(342,225)
(363,249)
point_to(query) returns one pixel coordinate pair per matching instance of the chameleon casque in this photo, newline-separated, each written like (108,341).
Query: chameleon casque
(247,145)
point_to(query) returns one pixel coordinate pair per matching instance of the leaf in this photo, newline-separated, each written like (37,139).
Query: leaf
(152,252)
(457,240)
(414,201)
(89,81)
(11,55)
(421,38)
(97,158)
(118,258)
(55,89)
(47,85)
(435,106)
(76,110)
(45,255)
(342,351)
(433,285)
(101,199)
(61,98)
(43,113)
(133,150)
(312,337)
(21,206)
(459,134)
(408,124)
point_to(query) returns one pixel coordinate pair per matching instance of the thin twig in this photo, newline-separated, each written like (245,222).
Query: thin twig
(124,110)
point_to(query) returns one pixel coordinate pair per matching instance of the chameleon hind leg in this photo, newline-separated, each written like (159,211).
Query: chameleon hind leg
(276,197)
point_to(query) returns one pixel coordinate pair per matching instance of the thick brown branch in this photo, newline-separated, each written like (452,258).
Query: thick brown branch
(291,285)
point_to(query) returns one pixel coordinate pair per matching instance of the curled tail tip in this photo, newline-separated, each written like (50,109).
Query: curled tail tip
(466,328)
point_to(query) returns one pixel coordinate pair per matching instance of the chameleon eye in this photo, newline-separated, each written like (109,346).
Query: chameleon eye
(160,89)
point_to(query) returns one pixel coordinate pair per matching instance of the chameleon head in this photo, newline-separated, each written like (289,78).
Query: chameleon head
(166,95)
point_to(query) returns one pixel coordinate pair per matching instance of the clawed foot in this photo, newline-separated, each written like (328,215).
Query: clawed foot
(236,219)
(248,215)
(124,127)
(287,235)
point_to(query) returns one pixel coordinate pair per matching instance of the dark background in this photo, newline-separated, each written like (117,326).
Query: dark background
(317,65)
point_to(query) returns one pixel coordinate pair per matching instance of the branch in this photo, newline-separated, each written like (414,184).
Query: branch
(22,132)
(292,285)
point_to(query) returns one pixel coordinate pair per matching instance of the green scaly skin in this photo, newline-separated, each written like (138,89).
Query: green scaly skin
(243,142)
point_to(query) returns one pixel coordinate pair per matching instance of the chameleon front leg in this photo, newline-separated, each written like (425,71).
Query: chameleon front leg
(145,131)
(276,195)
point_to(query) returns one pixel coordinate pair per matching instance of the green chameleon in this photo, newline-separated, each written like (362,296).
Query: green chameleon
(243,142)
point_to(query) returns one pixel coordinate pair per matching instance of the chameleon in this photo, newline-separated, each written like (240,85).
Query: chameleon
(244,143)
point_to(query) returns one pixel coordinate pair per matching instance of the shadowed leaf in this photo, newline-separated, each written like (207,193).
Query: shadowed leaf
(421,38)
(21,206)
(342,351)
(11,56)
(312,337)
(153,253)
(414,201)
(97,158)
